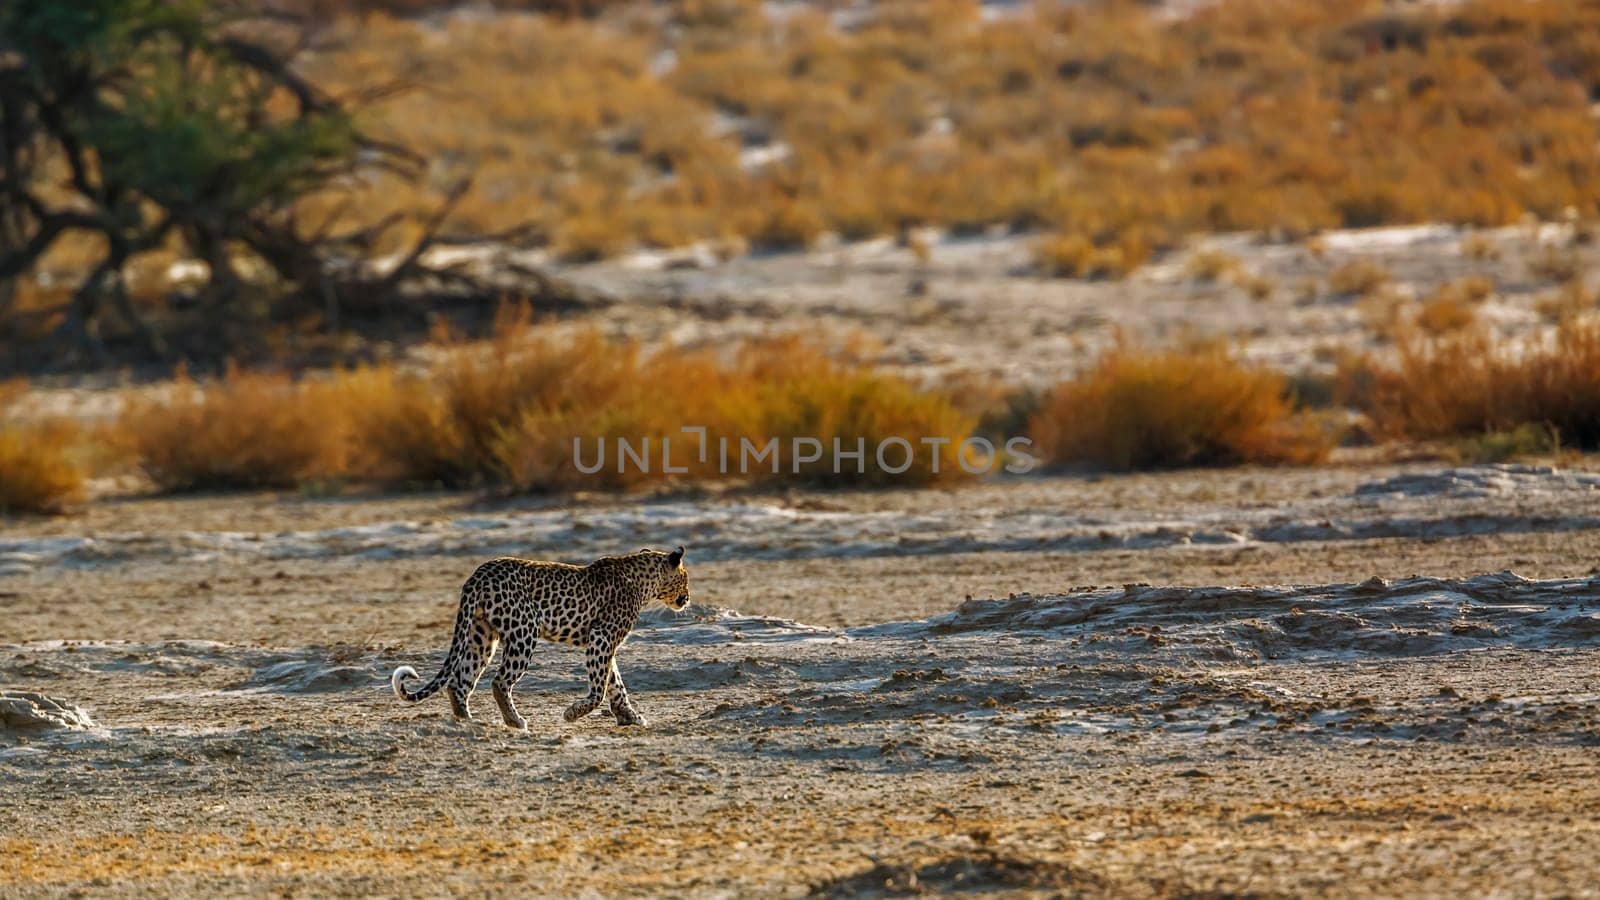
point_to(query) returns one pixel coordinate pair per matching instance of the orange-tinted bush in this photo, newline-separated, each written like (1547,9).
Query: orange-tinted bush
(403,431)
(45,461)
(1470,384)
(41,470)
(505,413)
(1445,314)
(789,388)
(38,468)
(1213,265)
(457,422)
(774,390)
(1136,409)
(1074,256)
(1064,255)
(246,430)
(1357,278)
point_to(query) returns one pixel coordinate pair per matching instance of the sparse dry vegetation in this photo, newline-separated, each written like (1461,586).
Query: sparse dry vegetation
(1501,446)
(1472,289)
(1568,303)
(1386,313)
(1480,247)
(1109,131)
(1445,314)
(1468,384)
(1259,287)
(246,430)
(1214,265)
(777,129)
(506,413)
(38,469)
(1074,256)
(596,127)
(41,470)
(1558,264)
(1358,278)
(1137,408)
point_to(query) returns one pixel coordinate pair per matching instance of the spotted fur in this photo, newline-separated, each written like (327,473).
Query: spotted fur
(514,603)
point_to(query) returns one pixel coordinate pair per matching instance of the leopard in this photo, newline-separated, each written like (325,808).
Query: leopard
(514,603)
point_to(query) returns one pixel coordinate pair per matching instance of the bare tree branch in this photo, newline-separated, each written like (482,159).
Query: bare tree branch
(408,265)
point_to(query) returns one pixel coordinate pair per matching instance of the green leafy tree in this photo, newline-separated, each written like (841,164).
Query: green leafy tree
(151,121)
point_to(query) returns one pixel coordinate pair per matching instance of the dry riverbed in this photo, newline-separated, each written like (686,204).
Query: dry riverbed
(1038,685)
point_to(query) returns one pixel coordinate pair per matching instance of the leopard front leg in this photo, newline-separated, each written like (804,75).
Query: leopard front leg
(617,693)
(596,661)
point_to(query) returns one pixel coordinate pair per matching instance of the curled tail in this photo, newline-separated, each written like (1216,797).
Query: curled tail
(438,681)
(406,672)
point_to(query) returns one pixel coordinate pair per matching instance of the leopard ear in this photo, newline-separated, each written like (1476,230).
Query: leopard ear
(674,558)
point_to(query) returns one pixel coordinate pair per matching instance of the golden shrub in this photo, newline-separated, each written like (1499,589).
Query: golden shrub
(1064,255)
(790,388)
(1136,408)
(1479,247)
(1213,265)
(1568,303)
(1446,313)
(41,467)
(1358,278)
(1469,384)
(244,430)
(506,413)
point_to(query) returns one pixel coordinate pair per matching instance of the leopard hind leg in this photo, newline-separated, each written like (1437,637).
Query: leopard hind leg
(514,660)
(469,665)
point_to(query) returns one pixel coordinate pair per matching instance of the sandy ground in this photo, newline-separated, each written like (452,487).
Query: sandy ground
(860,727)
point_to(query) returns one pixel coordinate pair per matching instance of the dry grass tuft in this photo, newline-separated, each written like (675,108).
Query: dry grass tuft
(1214,265)
(1469,384)
(1472,289)
(1358,278)
(466,419)
(1480,248)
(779,389)
(1064,255)
(1557,264)
(1446,313)
(246,430)
(40,469)
(1075,256)
(505,414)
(1500,446)
(1136,409)
(1568,303)
(1259,287)
(790,388)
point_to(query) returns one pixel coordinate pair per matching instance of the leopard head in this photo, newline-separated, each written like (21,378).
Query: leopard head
(672,582)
